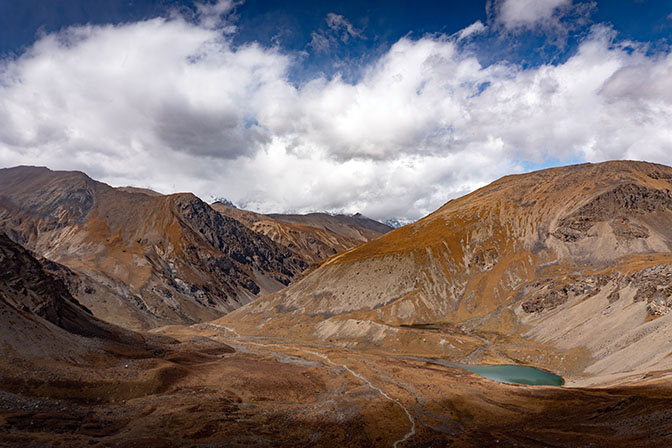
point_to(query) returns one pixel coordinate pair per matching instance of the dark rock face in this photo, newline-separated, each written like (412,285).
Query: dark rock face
(654,286)
(620,204)
(242,249)
(239,243)
(28,287)
(23,278)
(548,294)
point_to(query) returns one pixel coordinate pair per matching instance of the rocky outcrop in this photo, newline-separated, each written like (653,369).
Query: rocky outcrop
(312,237)
(29,292)
(617,206)
(651,285)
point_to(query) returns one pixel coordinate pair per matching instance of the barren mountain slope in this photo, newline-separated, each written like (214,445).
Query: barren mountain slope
(567,268)
(145,260)
(147,191)
(312,237)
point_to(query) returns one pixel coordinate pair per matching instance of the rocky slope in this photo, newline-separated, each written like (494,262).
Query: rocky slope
(40,318)
(140,260)
(566,268)
(312,237)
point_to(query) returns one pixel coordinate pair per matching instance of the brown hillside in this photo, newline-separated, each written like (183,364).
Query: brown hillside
(145,260)
(567,268)
(357,226)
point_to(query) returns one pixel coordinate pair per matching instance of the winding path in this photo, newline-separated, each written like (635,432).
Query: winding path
(245,341)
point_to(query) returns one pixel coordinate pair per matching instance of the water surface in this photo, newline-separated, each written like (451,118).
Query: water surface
(509,373)
(504,373)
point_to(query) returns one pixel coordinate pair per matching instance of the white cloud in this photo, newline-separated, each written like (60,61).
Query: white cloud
(156,85)
(556,19)
(215,15)
(526,13)
(319,42)
(475,28)
(172,105)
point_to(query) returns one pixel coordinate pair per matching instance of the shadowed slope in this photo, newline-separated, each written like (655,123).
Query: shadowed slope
(39,316)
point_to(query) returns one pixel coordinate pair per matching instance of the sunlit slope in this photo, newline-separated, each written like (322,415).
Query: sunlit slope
(568,263)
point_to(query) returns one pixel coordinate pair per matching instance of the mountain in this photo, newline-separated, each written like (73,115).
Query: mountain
(136,259)
(566,268)
(312,237)
(395,223)
(147,191)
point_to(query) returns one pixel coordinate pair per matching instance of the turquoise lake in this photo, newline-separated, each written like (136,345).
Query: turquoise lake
(504,373)
(508,373)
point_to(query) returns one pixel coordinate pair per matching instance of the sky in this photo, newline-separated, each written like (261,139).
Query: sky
(388,108)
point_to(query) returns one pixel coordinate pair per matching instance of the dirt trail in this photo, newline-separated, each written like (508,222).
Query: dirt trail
(246,340)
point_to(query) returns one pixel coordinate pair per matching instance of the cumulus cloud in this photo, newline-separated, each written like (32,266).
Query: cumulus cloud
(160,85)
(171,104)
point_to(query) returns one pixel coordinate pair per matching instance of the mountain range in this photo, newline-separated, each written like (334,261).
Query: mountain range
(141,259)
(109,338)
(312,237)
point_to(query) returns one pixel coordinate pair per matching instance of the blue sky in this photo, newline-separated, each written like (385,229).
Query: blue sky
(290,24)
(390,108)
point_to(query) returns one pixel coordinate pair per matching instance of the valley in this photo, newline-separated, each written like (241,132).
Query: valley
(278,392)
(390,342)
(319,224)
